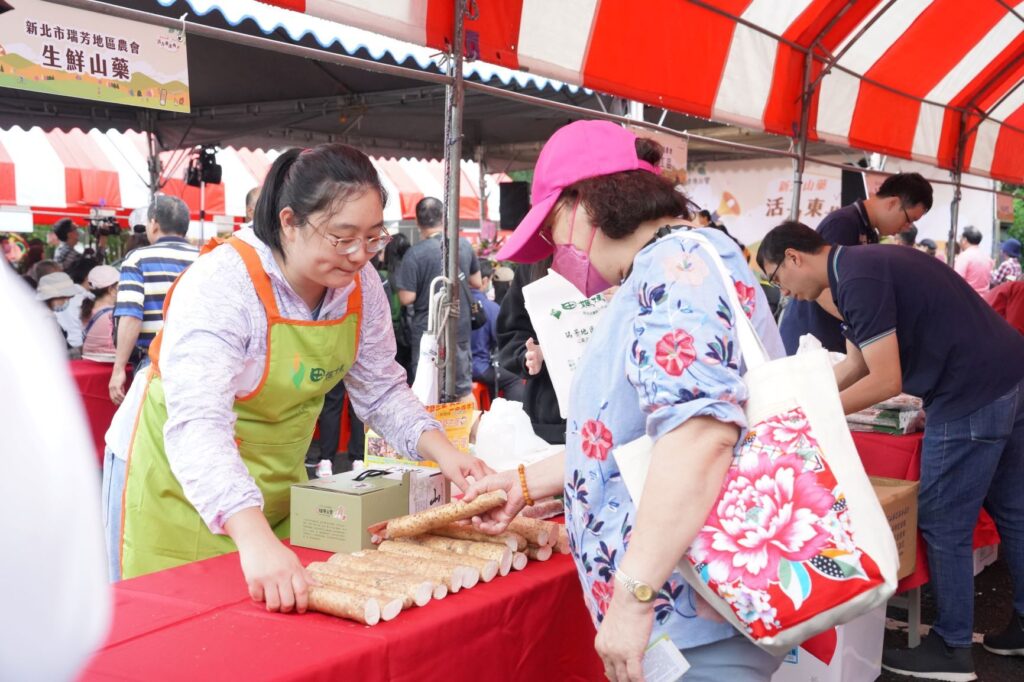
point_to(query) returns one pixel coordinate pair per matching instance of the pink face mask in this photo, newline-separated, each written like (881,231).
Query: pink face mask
(573,264)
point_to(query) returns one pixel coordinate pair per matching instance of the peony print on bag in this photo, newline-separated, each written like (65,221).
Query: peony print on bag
(777,546)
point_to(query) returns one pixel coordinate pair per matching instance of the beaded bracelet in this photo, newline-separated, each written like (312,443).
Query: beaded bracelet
(522,482)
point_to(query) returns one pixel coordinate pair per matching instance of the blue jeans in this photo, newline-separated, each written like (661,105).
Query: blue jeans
(967,463)
(113,488)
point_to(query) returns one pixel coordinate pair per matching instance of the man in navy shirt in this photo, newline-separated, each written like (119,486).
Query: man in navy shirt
(914,325)
(900,201)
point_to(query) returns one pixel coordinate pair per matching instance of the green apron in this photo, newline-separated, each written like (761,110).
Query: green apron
(160,528)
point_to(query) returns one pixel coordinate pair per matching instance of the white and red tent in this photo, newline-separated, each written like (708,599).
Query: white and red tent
(57,174)
(911,78)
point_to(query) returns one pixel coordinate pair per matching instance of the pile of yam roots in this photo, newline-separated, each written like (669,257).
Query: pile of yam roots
(427,556)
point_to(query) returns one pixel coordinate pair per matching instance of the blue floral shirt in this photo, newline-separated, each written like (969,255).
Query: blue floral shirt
(664,351)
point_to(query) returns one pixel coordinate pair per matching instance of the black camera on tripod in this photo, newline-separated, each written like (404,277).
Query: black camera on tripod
(203,167)
(103,223)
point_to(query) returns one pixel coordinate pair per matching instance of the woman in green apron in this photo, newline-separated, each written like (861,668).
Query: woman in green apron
(256,332)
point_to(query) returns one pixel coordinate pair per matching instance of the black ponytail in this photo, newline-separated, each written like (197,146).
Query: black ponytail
(308,181)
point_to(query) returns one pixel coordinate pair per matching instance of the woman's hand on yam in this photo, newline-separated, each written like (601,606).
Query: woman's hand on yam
(622,639)
(276,576)
(497,520)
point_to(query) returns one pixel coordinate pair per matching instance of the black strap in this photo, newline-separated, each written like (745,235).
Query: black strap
(370,473)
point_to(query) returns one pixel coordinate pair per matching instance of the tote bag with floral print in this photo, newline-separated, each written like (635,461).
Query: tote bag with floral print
(797,541)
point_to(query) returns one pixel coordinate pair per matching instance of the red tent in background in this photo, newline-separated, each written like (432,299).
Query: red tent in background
(912,78)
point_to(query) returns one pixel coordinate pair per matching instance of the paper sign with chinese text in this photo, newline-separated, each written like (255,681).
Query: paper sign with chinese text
(60,50)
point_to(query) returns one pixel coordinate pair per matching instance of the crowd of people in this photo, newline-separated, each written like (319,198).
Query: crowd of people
(238,352)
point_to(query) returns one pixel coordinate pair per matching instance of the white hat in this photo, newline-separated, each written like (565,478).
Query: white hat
(55,285)
(139,216)
(103,276)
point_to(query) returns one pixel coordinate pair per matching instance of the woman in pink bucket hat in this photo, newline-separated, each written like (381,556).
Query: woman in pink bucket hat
(662,361)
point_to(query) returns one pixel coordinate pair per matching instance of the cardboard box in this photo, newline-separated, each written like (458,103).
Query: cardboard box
(333,513)
(899,501)
(858,654)
(427,485)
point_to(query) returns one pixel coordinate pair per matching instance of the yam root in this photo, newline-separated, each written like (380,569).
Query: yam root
(539,533)
(544,509)
(441,569)
(466,572)
(538,553)
(488,568)
(482,550)
(417,588)
(374,562)
(365,610)
(562,544)
(519,561)
(485,569)
(438,517)
(352,582)
(515,542)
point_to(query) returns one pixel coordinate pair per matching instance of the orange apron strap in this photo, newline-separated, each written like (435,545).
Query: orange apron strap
(355,304)
(260,278)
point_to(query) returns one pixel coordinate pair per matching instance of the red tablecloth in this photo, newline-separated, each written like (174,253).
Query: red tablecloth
(900,457)
(92,379)
(197,622)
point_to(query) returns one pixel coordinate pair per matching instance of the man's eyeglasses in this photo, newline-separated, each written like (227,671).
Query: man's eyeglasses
(906,215)
(772,282)
(346,246)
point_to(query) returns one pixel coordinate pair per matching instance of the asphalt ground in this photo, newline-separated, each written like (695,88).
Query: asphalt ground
(992,608)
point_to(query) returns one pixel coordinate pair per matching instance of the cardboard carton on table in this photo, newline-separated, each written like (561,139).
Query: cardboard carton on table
(333,513)
(899,502)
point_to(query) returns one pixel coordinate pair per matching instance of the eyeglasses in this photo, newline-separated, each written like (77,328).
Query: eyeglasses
(906,215)
(771,280)
(347,246)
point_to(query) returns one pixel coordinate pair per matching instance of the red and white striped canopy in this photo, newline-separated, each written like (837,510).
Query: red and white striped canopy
(56,174)
(910,77)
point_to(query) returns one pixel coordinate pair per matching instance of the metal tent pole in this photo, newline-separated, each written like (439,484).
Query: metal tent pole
(452,171)
(800,162)
(153,162)
(954,206)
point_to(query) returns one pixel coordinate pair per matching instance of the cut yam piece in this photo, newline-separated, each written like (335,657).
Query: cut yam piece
(417,588)
(515,542)
(482,550)
(438,517)
(519,561)
(544,509)
(440,592)
(468,571)
(375,561)
(538,553)
(352,582)
(365,610)
(540,533)
(443,569)
(562,544)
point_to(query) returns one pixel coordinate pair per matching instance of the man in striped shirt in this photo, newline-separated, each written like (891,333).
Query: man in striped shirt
(146,275)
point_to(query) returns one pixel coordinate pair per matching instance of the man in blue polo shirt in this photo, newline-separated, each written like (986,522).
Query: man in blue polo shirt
(901,200)
(914,325)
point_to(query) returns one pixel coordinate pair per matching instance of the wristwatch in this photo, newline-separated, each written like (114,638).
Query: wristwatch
(643,592)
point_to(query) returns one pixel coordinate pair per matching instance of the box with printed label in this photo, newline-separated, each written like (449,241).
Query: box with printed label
(427,485)
(899,502)
(333,513)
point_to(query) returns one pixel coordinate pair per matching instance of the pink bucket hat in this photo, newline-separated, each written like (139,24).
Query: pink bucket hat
(580,150)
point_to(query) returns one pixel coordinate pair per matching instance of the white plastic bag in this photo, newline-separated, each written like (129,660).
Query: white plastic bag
(505,437)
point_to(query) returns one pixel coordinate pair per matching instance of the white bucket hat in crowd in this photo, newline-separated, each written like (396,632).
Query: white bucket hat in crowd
(103,276)
(55,285)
